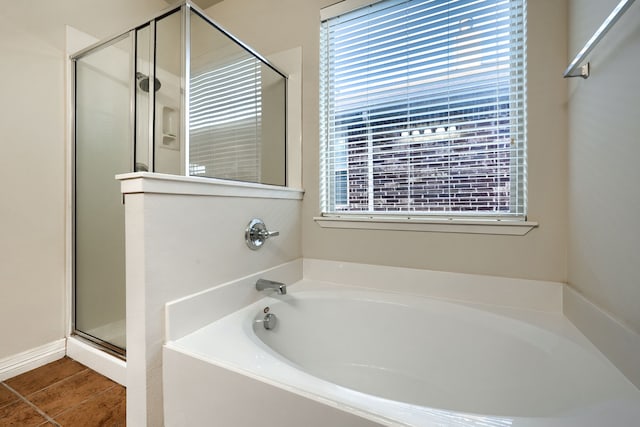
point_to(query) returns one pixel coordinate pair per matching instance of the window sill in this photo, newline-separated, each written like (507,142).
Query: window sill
(444,225)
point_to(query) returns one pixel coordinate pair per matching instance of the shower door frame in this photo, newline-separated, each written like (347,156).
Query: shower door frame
(131,34)
(184,7)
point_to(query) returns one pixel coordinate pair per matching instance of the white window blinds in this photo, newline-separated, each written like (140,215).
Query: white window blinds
(225,119)
(423,109)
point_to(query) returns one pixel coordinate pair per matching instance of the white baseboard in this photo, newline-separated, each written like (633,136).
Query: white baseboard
(618,342)
(31,359)
(101,362)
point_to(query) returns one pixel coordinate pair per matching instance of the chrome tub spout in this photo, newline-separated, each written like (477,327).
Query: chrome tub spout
(263,284)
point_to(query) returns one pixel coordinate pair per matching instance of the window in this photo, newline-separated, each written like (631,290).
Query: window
(341,174)
(423,109)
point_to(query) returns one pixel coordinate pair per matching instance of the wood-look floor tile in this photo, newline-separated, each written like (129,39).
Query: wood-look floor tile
(20,414)
(6,396)
(105,409)
(44,376)
(70,392)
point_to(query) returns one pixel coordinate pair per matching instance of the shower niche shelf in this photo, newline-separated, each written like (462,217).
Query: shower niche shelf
(170,128)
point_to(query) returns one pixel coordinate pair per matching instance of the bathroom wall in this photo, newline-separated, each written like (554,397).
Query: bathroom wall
(32,291)
(275,25)
(186,235)
(33,294)
(604,177)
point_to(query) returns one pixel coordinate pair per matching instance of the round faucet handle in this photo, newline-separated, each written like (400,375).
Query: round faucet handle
(256,234)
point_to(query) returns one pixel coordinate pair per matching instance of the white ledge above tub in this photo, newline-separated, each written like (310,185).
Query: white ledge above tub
(147,182)
(444,225)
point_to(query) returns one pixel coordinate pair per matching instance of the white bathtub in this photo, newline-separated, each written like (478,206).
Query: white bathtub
(344,356)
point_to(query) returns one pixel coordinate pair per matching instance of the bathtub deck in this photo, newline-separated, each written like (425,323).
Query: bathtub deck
(229,353)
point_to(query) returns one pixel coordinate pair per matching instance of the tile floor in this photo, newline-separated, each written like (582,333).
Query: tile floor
(62,393)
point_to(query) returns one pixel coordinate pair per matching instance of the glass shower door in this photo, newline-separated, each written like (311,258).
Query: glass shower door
(103,149)
(176,95)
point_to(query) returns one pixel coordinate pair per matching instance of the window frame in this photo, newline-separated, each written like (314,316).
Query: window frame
(468,222)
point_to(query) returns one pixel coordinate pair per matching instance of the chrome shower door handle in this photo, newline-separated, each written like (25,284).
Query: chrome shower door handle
(256,234)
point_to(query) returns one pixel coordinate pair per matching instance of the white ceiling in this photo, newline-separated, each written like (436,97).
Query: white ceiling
(203,4)
(47,19)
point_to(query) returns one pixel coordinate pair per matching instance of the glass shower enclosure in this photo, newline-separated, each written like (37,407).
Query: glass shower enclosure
(175,95)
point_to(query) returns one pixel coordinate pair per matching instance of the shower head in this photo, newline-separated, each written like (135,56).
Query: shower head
(143,82)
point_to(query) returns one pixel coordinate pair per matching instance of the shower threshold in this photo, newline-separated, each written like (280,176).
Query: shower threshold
(101,360)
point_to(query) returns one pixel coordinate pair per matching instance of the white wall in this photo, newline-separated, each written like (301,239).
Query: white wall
(604,177)
(275,25)
(32,290)
(33,302)
(179,244)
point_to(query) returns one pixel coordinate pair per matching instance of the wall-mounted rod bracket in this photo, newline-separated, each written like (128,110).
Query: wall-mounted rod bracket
(585,69)
(619,10)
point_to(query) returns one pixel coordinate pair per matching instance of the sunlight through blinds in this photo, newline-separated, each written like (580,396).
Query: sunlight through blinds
(225,119)
(423,109)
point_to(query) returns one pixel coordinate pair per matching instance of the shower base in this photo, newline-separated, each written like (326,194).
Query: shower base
(98,360)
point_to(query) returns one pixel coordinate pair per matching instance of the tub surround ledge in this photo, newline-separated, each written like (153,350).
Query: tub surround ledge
(617,341)
(472,288)
(193,312)
(187,314)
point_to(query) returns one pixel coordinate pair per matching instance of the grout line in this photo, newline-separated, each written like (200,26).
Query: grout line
(50,385)
(91,397)
(60,381)
(82,402)
(65,379)
(28,402)
(10,402)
